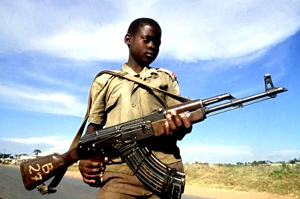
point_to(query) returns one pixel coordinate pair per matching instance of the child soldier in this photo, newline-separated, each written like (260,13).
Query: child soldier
(116,100)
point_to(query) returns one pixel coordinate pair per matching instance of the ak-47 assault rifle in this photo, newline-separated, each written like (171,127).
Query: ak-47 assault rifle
(124,140)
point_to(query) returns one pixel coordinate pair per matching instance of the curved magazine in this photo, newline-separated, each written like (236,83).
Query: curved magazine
(159,178)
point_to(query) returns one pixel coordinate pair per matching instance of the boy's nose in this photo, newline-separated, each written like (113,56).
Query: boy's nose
(152,45)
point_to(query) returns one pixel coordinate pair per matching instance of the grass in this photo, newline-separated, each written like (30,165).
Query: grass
(280,180)
(73,168)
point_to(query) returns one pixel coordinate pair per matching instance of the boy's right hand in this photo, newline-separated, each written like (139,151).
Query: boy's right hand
(92,170)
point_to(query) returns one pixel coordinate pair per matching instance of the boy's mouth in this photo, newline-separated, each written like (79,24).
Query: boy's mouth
(150,54)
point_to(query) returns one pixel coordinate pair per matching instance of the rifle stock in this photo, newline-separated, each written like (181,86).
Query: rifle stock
(35,172)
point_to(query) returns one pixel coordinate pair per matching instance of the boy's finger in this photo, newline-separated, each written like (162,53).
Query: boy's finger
(167,128)
(172,125)
(176,119)
(185,120)
(90,177)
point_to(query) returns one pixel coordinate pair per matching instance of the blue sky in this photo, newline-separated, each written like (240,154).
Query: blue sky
(51,50)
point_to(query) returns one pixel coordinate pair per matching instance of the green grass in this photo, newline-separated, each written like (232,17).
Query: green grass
(73,168)
(280,180)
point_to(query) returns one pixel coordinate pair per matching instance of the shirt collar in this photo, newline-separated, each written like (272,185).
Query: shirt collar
(145,73)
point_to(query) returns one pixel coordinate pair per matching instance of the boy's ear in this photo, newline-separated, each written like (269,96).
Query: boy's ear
(127,39)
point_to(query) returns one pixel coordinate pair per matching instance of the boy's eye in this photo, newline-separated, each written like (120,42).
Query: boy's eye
(147,40)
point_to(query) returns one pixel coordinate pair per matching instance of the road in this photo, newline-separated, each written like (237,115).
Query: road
(11,187)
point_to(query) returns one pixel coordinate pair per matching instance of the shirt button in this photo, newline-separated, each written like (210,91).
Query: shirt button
(133,104)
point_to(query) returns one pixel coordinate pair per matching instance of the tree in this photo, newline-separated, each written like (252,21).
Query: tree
(294,161)
(5,155)
(37,151)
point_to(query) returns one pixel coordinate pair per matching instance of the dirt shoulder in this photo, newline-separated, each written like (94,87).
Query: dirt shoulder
(74,174)
(229,194)
(215,193)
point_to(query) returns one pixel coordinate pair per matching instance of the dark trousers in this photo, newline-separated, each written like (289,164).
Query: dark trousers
(124,186)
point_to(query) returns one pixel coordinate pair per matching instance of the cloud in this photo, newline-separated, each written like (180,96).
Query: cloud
(45,101)
(233,154)
(55,28)
(216,154)
(45,144)
(283,154)
(53,81)
(192,30)
(85,44)
(228,29)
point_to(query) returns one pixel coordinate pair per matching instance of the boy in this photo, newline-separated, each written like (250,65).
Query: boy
(116,100)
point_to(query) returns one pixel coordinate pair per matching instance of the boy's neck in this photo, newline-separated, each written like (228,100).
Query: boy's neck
(135,66)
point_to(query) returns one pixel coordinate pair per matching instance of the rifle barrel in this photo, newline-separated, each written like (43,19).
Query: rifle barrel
(240,102)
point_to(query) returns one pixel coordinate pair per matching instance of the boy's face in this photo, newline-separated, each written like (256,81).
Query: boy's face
(144,45)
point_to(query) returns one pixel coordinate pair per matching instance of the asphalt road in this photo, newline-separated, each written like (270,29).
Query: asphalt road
(11,187)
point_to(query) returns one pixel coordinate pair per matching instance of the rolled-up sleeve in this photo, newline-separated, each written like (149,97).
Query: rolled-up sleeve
(98,91)
(174,89)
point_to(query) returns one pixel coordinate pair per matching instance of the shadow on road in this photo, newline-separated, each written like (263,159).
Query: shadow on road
(11,187)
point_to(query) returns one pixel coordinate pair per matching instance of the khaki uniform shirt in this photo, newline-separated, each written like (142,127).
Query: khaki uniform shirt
(116,100)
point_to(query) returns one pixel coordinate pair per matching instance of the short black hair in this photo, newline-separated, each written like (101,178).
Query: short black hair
(141,22)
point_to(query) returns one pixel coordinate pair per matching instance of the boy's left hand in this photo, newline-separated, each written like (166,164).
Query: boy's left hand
(177,125)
